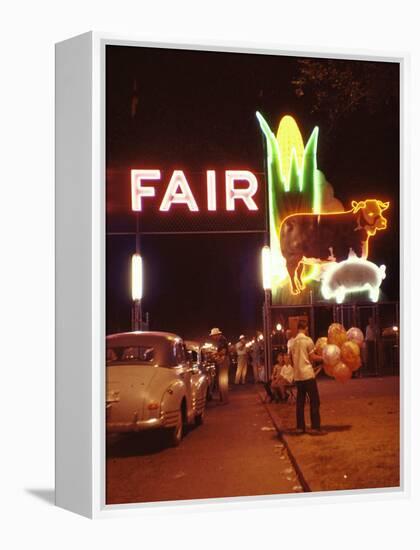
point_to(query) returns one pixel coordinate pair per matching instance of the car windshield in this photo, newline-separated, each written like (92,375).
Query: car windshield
(130,354)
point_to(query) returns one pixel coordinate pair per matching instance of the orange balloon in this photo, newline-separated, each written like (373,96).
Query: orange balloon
(356,364)
(342,372)
(337,334)
(329,370)
(350,351)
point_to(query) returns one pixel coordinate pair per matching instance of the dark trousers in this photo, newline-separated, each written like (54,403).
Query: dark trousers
(371,356)
(310,388)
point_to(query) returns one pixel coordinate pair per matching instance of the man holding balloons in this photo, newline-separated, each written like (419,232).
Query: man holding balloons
(303,353)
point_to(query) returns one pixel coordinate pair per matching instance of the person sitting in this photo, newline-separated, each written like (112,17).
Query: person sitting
(286,378)
(281,377)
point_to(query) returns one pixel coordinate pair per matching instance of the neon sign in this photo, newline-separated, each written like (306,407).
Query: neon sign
(178,190)
(303,238)
(350,276)
(310,239)
(293,185)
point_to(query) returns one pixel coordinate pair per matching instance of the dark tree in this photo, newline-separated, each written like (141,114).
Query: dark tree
(334,89)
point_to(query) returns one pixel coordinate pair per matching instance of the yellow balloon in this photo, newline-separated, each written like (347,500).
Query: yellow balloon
(320,344)
(349,352)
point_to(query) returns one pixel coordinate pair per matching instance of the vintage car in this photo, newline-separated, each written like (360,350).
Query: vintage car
(152,383)
(203,360)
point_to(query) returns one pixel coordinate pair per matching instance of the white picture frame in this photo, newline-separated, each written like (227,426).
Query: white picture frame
(80,275)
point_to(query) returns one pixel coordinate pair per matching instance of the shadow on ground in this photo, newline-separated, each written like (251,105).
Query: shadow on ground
(47,495)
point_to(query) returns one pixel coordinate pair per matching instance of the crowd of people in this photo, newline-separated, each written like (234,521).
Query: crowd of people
(245,353)
(294,368)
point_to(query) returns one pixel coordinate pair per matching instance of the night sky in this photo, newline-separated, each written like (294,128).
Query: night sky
(194,111)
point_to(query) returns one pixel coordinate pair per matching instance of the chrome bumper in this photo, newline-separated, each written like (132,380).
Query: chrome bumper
(167,419)
(138,426)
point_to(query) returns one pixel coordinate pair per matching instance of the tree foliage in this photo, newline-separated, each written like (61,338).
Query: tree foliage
(337,88)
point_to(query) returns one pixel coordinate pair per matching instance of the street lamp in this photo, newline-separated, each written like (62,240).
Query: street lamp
(266,267)
(266,280)
(136,291)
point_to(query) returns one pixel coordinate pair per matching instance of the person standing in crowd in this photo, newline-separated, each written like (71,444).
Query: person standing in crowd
(257,360)
(222,363)
(242,366)
(370,343)
(302,354)
(289,339)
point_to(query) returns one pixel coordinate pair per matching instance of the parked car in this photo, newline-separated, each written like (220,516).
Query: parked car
(204,362)
(152,383)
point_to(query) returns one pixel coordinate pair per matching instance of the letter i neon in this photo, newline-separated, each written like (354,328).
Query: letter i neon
(211,190)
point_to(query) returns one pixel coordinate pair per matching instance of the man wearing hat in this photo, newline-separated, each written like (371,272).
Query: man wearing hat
(222,362)
(241,369)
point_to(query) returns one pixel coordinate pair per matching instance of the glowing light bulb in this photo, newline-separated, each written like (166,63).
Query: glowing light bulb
(136,277)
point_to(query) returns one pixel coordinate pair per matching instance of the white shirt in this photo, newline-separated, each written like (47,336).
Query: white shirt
(241,348)
(301,348)
(287,373)
(370,334)
(289,345)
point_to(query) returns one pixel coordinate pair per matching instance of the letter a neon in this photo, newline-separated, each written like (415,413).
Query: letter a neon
(173,196)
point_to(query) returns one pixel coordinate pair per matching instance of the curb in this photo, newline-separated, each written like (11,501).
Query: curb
(277,425)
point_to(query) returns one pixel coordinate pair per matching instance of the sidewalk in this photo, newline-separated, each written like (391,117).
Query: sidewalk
(361,448)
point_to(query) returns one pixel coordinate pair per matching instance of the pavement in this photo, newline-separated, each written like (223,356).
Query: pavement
(361,446)
(236,452)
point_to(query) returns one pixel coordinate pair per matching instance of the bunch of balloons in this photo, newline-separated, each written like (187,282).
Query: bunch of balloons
(340,351)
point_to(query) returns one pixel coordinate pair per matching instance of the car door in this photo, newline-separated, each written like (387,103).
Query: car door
(184,368)
(199,380)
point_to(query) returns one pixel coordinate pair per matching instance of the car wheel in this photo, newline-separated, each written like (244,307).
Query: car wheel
(199,419)
(176,433)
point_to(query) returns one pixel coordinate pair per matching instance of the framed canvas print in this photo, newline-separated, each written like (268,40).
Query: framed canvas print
(230,308)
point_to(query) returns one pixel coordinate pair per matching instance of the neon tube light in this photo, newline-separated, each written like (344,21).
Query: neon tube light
(136,277)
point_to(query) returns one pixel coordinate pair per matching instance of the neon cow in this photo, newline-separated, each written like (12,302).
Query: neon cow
(310,239)
(352,275)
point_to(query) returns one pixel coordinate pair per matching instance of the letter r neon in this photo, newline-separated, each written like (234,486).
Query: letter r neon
(246,195)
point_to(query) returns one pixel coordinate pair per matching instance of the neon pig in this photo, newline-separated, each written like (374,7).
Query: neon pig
(352,275)
(178,190)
